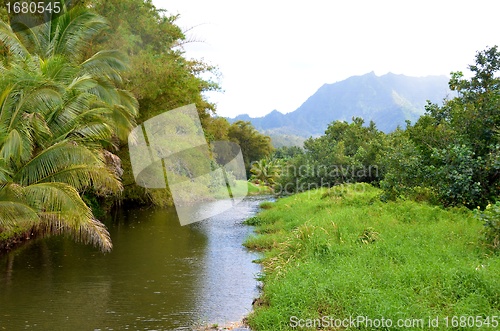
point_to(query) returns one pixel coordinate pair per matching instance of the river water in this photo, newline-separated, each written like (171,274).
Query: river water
(159,276)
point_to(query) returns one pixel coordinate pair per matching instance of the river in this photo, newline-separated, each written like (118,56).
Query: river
(159,276)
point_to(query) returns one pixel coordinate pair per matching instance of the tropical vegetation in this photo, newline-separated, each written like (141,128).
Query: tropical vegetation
(71,88)
(61,112)
(162,78)
(454,149)
(415,240)
(346,153)
(449,157)
(399,224)
(265,171)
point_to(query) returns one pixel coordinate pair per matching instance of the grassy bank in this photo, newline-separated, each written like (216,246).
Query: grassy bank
(343,253)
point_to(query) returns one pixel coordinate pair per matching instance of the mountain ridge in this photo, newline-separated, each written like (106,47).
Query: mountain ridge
(389,100)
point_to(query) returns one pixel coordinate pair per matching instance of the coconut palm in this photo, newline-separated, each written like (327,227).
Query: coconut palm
(60,45)
(40,185)
(58,110)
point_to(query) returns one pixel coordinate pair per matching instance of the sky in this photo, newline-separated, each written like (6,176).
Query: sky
(275,54)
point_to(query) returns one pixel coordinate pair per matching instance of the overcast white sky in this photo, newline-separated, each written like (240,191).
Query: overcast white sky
(275,54)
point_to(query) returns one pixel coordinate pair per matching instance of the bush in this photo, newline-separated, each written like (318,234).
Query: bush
(491,218)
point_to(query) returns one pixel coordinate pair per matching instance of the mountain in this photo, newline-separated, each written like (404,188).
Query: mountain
(388,100)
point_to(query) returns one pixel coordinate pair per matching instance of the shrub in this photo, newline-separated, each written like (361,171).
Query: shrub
(491,218)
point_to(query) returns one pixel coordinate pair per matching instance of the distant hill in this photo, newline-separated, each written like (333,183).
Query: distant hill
(388,100)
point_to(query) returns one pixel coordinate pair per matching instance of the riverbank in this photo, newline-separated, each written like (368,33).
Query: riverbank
(330,256)
(10,240)
(243,188)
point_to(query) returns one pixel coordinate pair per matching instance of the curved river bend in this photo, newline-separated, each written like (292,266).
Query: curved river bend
(159,276)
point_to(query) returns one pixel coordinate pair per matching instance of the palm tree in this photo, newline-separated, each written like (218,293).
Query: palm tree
(58,110)
(61,47)
(265,171)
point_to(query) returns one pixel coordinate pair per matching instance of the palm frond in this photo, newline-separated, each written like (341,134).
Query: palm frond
(57,69)
(82,83)
(15,213)
(14,210)
(92,131)
(40,100)
(64,212)
(123,120)
(6,104)
(75,165)
(10,39)
(16,146)
(62,120)
(106,92)
(40,129)
(26,27)
(75,29)
(106,63)
(5,173)
(128,101)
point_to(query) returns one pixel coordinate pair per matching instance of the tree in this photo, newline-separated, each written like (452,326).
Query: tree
(345,153)
(287,152)
(458,143)
(58,110)
(160,77)
(254,145)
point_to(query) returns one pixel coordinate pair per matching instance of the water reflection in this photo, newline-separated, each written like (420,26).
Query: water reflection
(159,276)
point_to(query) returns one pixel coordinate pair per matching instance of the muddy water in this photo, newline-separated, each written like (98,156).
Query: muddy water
(159,276)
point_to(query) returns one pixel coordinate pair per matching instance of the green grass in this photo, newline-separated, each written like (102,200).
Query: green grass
(345,253)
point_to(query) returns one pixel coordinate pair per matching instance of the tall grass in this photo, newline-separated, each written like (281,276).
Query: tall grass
(344,253)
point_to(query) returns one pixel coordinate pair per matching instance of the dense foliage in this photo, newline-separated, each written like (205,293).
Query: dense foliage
(254,145)
(162,78)
(347,153)
(68,102)
(453,150)
(72,86)
(491,218)
(60,109)
(450,156)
